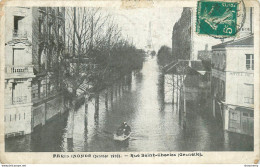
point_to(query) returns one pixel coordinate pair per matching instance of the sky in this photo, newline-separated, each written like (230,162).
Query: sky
(135,25)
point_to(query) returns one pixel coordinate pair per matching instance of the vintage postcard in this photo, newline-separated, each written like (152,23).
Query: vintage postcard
(130,81)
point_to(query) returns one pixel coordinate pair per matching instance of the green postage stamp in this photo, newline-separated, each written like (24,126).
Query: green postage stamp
(217,18)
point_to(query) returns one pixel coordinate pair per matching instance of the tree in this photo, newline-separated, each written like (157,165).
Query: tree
(97,53)
(48,45)
(84,29)
(164,55)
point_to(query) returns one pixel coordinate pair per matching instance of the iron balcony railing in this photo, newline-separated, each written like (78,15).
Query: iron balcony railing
(18,69)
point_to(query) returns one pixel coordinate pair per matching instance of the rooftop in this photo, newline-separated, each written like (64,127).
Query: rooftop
(180,67)
(198,66)
(242,42)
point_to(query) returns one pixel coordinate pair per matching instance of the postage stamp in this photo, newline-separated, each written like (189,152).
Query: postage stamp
(129,81)
(217,18)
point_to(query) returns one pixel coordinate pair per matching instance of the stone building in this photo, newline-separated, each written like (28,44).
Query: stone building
(232,84)
(182,36)
(34,42)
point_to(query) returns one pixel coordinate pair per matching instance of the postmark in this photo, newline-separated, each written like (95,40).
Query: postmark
(220,19)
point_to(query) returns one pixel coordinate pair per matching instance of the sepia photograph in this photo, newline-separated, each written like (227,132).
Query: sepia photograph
(103,79)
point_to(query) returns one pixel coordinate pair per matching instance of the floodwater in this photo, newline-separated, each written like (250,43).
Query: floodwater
(156,126)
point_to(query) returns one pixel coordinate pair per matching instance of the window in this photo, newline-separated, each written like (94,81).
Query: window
(39,88)
(58,29)
(50,28)
(251,114)
(18,57)
(249,61)
(40,26)
(245,114)
(18,22)
(249,93)
(234,116)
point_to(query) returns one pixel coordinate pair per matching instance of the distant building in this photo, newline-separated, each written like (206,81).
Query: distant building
(232,84)
(184,57)
(205,54)
(34,45)
(149,48)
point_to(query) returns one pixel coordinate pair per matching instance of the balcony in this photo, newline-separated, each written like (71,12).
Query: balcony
(19,71)
(19,34)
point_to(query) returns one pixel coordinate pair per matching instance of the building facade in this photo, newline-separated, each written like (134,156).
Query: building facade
(232,81)
(34,46)
(182,36)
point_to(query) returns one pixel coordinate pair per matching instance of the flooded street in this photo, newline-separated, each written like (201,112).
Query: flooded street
(155,125)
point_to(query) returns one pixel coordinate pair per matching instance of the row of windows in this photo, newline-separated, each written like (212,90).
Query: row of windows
(15,117)
(248,115)
(235,116)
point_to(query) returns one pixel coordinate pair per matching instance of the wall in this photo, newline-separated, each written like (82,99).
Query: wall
(10,12)
(22,77)
(218,80)
(218,60)
(23,58)
(237,76)
(47,110)
(239,121)
(35,36)
(16,124)
(238,60)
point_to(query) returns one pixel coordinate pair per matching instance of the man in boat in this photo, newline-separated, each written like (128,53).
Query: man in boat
(124,129)
(127,129)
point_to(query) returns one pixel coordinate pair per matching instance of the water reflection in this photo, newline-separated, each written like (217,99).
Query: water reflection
(156,126)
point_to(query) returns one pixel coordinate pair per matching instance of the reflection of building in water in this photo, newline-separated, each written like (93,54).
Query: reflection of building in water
(34,40)
(233,81)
